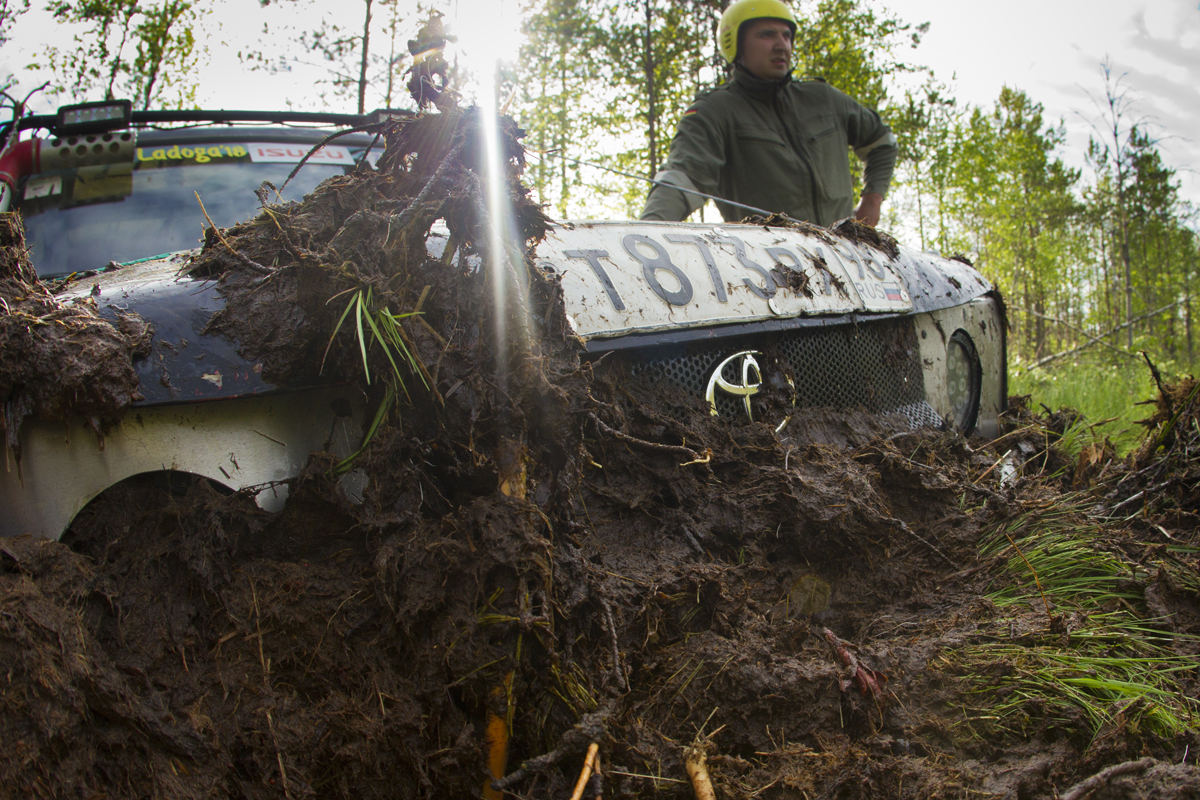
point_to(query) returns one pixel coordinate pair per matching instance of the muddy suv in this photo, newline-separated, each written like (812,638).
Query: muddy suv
(760,322)
(110,206)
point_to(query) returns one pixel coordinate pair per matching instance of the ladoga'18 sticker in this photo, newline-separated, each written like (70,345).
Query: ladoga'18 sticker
(199,154)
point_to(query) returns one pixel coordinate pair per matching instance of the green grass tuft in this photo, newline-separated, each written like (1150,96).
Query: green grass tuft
(1076,647)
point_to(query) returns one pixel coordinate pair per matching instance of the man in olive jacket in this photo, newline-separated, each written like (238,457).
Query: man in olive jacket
(767,141)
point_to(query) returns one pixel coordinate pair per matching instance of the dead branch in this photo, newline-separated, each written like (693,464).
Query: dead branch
(597,778)
(1086,787)
(434,182)
(369,127)
(922,540)
(618,673)
(1133,498)
(287,792)
(1092,339)
(1097,339)
(1158,382)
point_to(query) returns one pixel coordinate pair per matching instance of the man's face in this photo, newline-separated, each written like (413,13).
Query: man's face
(766,49)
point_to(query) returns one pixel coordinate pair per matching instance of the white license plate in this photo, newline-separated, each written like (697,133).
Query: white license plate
(622,277)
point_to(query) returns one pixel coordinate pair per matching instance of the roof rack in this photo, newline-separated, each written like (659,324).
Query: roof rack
(65,121)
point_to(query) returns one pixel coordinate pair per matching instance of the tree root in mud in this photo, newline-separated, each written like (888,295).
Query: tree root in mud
(587,731)
(1085,787)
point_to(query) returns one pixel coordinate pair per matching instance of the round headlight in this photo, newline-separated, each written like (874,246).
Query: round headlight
(963,378)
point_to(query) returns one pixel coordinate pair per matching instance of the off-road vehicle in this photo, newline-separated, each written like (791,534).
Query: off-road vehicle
(109,199)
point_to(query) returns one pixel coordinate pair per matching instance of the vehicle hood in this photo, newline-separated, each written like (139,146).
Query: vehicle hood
(185,364)
(625,284)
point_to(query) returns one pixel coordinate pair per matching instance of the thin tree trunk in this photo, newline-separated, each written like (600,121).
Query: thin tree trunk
(648,68)
(362,69)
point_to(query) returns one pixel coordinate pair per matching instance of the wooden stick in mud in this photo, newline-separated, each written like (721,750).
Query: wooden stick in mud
(586,772)
(696,763)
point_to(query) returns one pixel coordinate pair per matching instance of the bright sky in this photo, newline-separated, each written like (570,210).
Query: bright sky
(1052,49)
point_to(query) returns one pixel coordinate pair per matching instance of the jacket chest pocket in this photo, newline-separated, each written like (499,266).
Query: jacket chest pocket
(824,131)
(749,136)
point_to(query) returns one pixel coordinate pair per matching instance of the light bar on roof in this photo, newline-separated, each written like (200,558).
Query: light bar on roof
(93,117)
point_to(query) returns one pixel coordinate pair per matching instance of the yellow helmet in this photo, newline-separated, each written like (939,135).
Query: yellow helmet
(743,11)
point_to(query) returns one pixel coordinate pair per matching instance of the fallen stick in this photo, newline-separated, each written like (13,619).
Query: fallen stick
(586,772)
(674,449)
(287,792)
(1086,787)
(696,763)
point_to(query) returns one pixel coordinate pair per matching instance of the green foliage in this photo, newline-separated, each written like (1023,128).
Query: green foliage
(139,49)
(854,47)
(656,52)
(10,10)
(1104,392)
(559,59)
(1099,656)
(377,327)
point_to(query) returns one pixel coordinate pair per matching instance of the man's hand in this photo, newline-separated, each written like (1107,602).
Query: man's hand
(868,209)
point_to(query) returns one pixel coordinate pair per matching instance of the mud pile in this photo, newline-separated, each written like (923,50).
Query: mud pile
(551,553)
(59,360)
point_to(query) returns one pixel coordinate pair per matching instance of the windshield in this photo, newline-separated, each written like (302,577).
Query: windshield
(83,218)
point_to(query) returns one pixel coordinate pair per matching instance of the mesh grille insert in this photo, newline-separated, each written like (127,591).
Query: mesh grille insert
(873,366)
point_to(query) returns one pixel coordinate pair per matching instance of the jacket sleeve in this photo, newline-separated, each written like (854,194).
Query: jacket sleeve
(873,142)
(695,161)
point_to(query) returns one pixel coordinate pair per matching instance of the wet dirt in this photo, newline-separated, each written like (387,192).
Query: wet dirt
(548,549)
(59,360)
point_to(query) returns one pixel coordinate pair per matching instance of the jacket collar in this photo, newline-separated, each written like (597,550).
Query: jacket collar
(757,88)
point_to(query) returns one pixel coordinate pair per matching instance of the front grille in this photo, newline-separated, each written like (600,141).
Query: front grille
(872,366)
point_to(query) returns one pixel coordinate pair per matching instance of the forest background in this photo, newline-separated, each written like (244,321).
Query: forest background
(1097,253)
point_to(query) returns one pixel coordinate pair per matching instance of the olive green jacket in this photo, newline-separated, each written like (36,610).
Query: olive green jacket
(776,145)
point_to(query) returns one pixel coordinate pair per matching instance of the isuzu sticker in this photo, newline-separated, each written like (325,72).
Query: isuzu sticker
(273,153)
(622,277)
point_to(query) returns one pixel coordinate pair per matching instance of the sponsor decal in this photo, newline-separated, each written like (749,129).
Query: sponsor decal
(270,153)
(43,187)
(200,153)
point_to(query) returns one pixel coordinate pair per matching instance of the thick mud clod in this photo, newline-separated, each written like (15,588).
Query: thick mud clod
(59,360)
(552,552)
